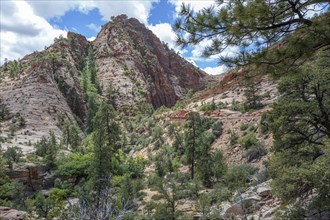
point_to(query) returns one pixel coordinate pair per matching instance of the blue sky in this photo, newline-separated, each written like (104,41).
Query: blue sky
(30,25)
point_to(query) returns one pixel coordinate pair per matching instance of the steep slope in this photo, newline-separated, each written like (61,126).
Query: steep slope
(44,91)
(135,62)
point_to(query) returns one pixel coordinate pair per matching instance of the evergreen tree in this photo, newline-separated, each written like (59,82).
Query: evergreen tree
(256,25)
(6,185)
(172,190)
(251,92)
(105,139)
(70,135)
(300,122)
(12,155)
(193,140)
(51,151)
(93,107)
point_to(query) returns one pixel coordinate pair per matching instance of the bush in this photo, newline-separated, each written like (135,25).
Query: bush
(255,152)
(209,106)
(217,128)
(48,149)
(12,155)
(243,127)
(22,121)
(249,141)
(264,124)
(238,176)
(233,138)
(75,164)
(220,193)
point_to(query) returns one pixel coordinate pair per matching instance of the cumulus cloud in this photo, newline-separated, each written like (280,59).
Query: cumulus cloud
(166,34)
(24,25)
(137,9)
(216,70)
(91,38)
(22,31)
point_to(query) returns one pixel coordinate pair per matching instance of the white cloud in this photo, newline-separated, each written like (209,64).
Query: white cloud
(24,25)
(91,38)
(216,70)
(166,34)
(107,8)
(196,5)
(94,27)
(23,32)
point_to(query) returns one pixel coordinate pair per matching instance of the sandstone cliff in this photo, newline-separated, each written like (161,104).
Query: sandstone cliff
(134,60)
(44,87)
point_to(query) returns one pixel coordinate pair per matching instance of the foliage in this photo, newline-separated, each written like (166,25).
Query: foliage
(238,176)
(7,190)
(209,106)
(106,139)
(75,164)
(248,141)
(299,122)
(22,121)
(157,133)
(12,155)
(134,167)
(166,162)
(104,205)
(171,193)
(197,145)
(220,193)
(4,112)
(193,140)
(70,135)
(203,205)
(254,26)
(254,148)
(251,92)
(48,149)
(264,123)
(233,139)
(217,128)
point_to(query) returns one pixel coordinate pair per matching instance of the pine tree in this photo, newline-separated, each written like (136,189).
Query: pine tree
(193,140)
(254,27)
(251,92)
(300,123)
(105,138)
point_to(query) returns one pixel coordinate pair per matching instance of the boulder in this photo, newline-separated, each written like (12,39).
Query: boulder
(7,213)
(234,210)
(264,191)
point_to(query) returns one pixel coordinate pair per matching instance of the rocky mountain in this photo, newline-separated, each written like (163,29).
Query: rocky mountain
(44,88)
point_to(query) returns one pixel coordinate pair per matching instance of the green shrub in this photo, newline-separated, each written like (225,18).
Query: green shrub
(264,124)
(243,127)
(76,164)
(220,193)
(12,155)
(209,106)
(217,128)
(249,141)
(239,176)
(255,152)
(233,138)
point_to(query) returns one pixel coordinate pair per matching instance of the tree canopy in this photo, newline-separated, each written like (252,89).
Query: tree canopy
(255,28)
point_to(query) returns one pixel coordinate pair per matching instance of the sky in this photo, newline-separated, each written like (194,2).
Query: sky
(31,25)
